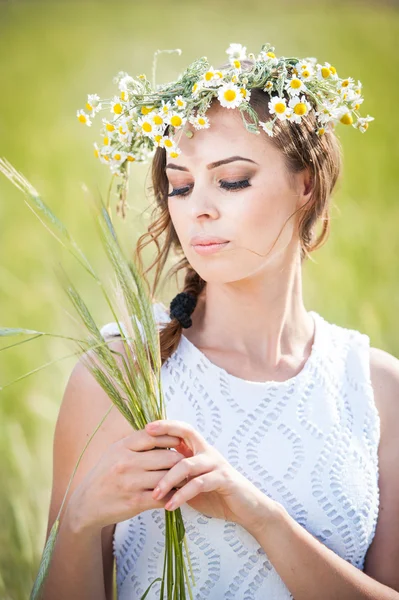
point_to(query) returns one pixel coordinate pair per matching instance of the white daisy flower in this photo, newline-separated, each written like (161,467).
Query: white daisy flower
(165,108)
(211,77)
(300,108)
(278,107)
(343,114)
(236,51)
(176,119)
(117,106)
(268,57)
(229,95)
(267,127)
(127,82)
(305,73)
(180,102)
(108,126)
(93,104)
(295,86)
(83,118)
(174,152)
(167,143)
(199,121)
(326,71)
(147,126)
(268,86)
(118,157)
(346,84)
(321,131)
(197,87)
(96,150)
(245,93)
(130,157)
(362,123)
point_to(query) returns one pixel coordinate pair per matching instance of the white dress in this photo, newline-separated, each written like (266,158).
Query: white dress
(310,443)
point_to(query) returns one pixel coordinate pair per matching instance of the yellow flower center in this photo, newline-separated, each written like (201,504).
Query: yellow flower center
(176,121)
(174,154)
(321,131)
(346,119)
(208,75)
(243,92)
(158,138)
(219,74)
(147,126)
(305,73)
(145,110)
(130,158)
(106,140)
(295,83)
(230,95)
(237,64)
(333,70)
(96,153)
(357,106)
(106,157)
(110,127)
(365,125)
(180,102)
(82,118)
(234,79)
(345,83)
(89,106)
(201,121)
(271,54)
(157,120)
(118,108)
(325,72)
(123,96)
(280,107)
(117,156)
(194,88)
(300,108)
(168,143)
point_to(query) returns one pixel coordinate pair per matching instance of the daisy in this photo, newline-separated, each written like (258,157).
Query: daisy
(278,107)
(343,115)
(166,107)
(306,73)
(116,106)
(300,108)
(211,77)
(268,86)
(118,157)
(83,118)
(147,126)
(199,121)
(268,57)
(96,150)
(180,102)
(245,93)
(346,84)
(363,122)
(267,127)
(93,104)
(176,119)
(197,87)
(108,126)
(167,143)
(295,86)
(236,51)
(229,95)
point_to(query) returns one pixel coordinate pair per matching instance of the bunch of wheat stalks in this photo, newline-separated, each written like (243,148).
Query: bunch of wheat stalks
(133,382)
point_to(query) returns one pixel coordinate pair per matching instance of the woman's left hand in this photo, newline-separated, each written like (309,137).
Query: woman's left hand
(213,486)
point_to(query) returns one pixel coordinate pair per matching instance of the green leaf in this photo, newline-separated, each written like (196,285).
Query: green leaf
(149,587)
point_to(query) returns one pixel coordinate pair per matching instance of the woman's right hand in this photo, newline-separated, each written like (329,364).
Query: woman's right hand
(120,485)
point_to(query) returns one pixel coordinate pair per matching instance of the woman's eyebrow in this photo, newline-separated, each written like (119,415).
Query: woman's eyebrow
(212,165)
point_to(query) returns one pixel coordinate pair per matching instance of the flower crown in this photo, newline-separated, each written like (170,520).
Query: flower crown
(142,111)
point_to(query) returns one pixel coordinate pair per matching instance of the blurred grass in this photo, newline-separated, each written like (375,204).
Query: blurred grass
(52,55)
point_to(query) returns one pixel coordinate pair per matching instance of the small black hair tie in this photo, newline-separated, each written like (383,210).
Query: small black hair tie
(182,307)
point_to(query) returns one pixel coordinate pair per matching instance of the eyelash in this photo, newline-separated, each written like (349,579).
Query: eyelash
(228,185)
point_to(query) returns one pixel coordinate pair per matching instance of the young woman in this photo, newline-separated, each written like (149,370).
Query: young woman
(281,443)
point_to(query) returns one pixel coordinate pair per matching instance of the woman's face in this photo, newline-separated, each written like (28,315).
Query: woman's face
(249,216)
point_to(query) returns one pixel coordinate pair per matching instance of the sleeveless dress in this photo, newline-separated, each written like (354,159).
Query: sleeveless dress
(309,443)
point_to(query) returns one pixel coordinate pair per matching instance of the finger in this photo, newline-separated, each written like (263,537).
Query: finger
(188,467)
(154,460)
(207,482)
(141,440)
(191,437)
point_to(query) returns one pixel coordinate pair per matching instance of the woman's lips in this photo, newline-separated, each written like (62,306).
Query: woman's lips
(209,248)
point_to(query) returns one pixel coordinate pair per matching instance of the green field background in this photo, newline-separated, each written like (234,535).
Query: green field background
(52,54)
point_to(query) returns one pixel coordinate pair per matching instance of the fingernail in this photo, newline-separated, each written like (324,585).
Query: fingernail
(157,492)
(170,505)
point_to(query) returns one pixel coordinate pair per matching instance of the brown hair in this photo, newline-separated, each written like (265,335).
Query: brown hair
(301,148)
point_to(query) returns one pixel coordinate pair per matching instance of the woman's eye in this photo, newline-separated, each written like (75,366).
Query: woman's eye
(227,185)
